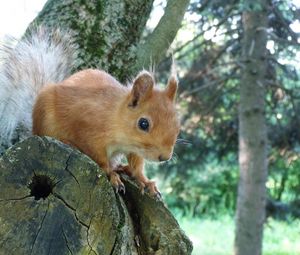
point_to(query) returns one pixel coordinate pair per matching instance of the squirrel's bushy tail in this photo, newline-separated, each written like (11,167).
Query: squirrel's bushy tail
(36,60)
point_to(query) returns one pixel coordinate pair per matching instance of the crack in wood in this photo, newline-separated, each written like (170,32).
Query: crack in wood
(89,210)
(135,221)
(70,207)
(64,201)
(14,199)
(87,226)
(40,228)
(87,238)
(114,246)
(67,169)
(121,223)
(66,240)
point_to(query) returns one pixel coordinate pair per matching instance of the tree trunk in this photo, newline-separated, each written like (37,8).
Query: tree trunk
(52,202)
(106,32)
(251,201)
(157,43)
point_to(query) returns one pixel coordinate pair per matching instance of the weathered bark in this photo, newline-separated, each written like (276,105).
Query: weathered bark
(105,32)
(251,202)
(52,202)
(108,33)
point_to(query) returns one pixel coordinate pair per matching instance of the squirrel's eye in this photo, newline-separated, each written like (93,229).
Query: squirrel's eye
(144,124)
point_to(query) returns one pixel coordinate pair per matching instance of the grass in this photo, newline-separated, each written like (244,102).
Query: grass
(215,237)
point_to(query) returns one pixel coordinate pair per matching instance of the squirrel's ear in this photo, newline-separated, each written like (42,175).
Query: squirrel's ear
(142,88)
(171,88)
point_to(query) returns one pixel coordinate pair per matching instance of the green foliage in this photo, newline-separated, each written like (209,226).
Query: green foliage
(204,178)
(209,188)
(253,6)
(215,236)
(284,177)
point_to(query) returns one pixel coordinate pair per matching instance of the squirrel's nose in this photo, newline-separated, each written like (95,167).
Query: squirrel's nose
(162,158)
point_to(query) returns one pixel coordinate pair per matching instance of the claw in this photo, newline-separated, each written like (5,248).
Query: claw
(158,196)
(155,194)
(151,189)
(117,183)
(122,188)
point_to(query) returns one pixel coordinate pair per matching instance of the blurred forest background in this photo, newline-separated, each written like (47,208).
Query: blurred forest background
(200,184)
(202,178)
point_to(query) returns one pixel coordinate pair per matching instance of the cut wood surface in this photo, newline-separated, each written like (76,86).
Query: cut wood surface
(55,200)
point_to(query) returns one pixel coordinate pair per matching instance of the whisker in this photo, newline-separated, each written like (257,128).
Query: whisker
(183,141)
(174,157)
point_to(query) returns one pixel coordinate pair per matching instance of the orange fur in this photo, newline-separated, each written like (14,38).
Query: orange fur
(95,113)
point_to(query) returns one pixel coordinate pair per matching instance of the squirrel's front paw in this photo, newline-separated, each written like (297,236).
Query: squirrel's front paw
(115,180)
(150,186)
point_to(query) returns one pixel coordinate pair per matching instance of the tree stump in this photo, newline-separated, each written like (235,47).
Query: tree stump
(55,200)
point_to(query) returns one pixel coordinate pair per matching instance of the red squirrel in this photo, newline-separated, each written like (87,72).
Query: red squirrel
(92,111)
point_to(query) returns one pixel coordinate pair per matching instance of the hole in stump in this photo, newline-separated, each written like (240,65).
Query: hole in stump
(40,186)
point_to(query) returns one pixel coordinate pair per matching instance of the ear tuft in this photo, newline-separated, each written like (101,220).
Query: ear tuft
(172,86)
(171,89)
(142,88)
